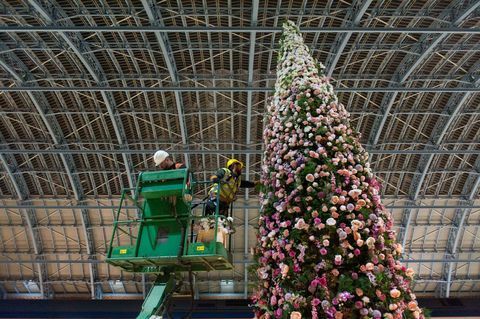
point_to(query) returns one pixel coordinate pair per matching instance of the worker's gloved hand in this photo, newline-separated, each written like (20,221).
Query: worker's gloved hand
(214,178)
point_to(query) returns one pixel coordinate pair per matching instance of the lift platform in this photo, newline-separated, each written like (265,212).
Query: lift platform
(155,231)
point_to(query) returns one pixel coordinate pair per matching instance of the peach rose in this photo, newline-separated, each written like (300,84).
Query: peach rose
(295,315)
(412,305)
(410,272)
(395,293)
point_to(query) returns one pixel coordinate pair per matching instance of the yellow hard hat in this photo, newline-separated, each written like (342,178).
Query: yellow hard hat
(234,161)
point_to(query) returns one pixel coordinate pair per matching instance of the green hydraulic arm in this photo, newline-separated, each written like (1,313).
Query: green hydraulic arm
(157,299)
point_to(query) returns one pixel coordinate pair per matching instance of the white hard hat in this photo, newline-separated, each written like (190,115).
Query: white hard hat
(159,157)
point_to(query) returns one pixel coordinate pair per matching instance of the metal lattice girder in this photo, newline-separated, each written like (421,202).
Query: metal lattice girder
(180,46)
(103,89)
(453,106)
(234,9)
(42,106)
(353,18)
(81,49)
(53,27)
(28,217)
(53,127)
(221,149)
(424,48)
(155,19)
(241,261)
(470,189)
(71,205)
(240,78)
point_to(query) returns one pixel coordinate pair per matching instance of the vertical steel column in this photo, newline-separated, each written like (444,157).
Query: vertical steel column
(251,60)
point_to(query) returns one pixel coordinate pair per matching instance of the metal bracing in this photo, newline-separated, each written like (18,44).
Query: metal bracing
(417,55)
(155,19)
(186,89)
(353,18)
(29,218)
(80,47)
(259,29)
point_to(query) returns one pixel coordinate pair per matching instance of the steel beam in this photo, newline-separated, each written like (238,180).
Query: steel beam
(353,18)
(258,29)
(421,51)
(156,20)
(372,151)
(73,205)
(391,89)
(93,261)
(251,60)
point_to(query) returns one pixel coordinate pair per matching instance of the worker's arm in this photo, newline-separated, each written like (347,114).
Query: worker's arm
(180,165)
(247,184)
(218,176)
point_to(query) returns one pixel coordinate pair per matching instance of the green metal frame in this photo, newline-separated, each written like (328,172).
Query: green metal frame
(164,191)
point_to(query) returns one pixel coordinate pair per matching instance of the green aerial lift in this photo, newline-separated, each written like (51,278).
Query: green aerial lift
(154,232)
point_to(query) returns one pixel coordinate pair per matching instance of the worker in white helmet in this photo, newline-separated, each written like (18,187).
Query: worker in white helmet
(164,161)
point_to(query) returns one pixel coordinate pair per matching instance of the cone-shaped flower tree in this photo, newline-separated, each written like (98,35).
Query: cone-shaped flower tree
(326,248)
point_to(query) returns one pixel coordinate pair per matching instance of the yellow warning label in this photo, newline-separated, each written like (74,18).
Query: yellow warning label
(200,248)
(123,251)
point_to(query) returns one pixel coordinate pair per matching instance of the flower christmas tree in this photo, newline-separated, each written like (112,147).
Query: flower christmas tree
(326,248)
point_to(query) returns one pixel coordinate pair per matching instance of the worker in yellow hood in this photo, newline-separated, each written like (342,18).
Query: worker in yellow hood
(227,182)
